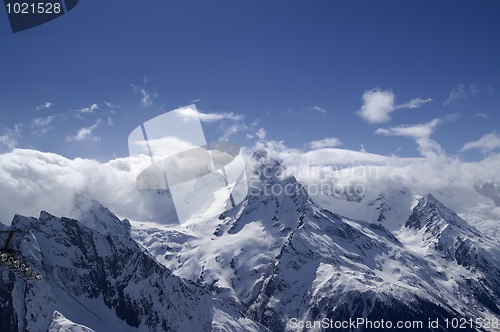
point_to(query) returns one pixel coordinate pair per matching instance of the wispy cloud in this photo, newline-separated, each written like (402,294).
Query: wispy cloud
(10,136)
(85,134)
(42,125)
(111,105)
(486,143)
(462,92)
(190,113)
(415,131)
(90,109)
(458,93)
(232,130)
(44,106)
(328,142)
(42,122)
(318,109)
(415,103)
(147,94)
(482,115)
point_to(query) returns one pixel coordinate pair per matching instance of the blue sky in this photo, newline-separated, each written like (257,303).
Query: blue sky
(300,71)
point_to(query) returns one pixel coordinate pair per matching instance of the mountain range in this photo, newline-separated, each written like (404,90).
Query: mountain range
(278,261)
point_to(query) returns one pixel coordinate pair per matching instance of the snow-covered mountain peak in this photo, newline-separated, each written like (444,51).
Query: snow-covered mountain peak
(431,213)
(94,215)
(44,215)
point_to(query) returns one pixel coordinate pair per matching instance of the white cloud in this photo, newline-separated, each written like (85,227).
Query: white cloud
(147,95)
(328,142)
(190,113)
(377,105)
(85,134)
(415,103)
(486,143)
(318,109)
(45,105)
(11,136)
(31,180)
(89,109)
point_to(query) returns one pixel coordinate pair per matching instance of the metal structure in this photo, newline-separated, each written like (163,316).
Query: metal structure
(8,258)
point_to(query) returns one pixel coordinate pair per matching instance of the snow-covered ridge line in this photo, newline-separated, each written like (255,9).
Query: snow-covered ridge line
(104,281)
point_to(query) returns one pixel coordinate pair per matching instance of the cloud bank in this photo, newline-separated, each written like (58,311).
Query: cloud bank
(450,179)
(32,180)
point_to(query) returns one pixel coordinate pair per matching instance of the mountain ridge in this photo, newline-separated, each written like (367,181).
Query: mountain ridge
(275,257)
